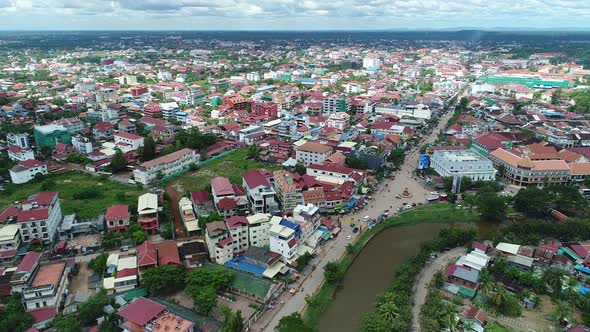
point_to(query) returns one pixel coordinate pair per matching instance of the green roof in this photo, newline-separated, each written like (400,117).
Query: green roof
(570,253)
(467,292)
(250,284)
(526,81)
(129,296)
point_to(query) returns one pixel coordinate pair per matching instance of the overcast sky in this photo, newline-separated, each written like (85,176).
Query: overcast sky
(291,14)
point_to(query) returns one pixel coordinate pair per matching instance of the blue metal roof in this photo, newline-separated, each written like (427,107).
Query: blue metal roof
(290,224)
(265,88)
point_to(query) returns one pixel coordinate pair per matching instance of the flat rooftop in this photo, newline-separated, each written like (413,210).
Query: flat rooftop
(48,274)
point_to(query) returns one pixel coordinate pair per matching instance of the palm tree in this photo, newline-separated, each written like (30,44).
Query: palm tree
(552,277)
(485,282)
(563,311)
(449,317)
(499,297)
(389,312)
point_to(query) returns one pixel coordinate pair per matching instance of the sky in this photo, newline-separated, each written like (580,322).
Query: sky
(291,14)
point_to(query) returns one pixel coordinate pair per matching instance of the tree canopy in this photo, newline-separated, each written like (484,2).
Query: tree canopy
(164,279)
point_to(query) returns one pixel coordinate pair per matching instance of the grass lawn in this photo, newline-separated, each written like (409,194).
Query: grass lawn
(496,327)
(109,193)
(231,166)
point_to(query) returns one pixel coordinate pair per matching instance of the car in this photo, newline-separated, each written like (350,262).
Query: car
(366,218)
(434,192)
(349,237)
(125,248)
(353,225)
(355,230)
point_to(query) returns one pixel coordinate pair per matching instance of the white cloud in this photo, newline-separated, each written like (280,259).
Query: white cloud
(292,14)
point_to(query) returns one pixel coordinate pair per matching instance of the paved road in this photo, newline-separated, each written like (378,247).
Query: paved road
(421,288)
(383,199)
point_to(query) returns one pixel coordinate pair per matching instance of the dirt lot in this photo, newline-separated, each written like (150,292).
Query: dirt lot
(80,281)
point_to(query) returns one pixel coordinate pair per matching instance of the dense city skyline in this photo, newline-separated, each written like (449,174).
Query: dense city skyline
(291,15)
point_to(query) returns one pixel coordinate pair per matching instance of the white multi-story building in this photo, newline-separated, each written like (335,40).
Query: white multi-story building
(127,80)
(73,125)
(420,111)
(258,229)
(253,77)
(338,120)
(238,230)
(82,144)
(47,287)
(22,140)
(9,240)
(219,242)
(164,76)
(132,139)
(17,153)
(312,153)
(371,62)
(169,110)
(248,135)
(39,217)
(259,191)
(167,165)
(25,171)
(462,163)
(283,241)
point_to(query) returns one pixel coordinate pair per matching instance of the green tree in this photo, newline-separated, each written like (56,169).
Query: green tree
(563,311)
(205,299)
(554,279)
(67,323)
(99,263)
(233,322)
(303,260)
(90,310)
(14,318)
(293,323)
(148,150)
(491,206)
(532,202)
(253,151)
(118,162)
(300,169)
(333,272)
(485,282)
(164,279)
(139,237)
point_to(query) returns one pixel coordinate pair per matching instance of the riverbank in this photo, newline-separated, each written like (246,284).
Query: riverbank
(320,302)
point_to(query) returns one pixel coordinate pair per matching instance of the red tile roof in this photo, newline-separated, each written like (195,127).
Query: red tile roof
(141,311)
(116,212)
(44,314)
(8,213)
(224,242)
(236,221)
(226,204)
(146,254)
(254,178)
(126,273)
(128,135)
(200,196)
(168,253)
(33,215)
(29,262)
(30,163)
(222,186)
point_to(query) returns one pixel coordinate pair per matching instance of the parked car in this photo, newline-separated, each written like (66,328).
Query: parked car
(355,230)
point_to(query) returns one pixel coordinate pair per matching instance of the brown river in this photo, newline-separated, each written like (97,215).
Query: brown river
(372,271)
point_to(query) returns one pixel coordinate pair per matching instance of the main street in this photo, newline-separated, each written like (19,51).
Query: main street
(383,199)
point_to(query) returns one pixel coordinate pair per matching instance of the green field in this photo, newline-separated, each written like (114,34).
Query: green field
(231,166)
(109,193)
(496,327)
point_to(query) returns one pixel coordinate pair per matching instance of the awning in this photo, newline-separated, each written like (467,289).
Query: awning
(108,283)
(336,230)
(272,271)
(302,249)
(192,226)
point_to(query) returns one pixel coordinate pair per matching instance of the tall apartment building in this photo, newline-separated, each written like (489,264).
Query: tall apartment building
(258,227)
(26,171)
(333,104)
(312,153)
(283,241)
(167,165)
(219,242)
(238,230)
(289,192)
(522,171)
(22,140)
(259,191)
(39,217)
